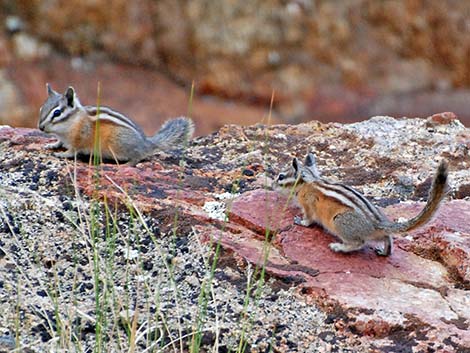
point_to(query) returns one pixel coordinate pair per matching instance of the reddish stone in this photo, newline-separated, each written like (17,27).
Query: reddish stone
(257,209)
(375,328)
(442,118)
(446,238)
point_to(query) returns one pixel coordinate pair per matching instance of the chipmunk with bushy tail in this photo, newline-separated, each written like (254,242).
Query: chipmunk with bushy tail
(121,139)
(346,213)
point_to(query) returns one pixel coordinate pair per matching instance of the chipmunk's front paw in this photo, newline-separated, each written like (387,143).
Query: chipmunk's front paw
(382,252)
(66,154)
(301,222)
(337,247)
(56,145)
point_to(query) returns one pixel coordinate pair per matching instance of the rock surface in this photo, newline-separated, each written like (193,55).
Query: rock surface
(415,300)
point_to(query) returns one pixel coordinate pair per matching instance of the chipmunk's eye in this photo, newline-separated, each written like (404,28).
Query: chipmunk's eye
(281,177)
(56,113)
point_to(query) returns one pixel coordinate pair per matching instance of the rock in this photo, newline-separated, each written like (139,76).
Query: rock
(445,240)
(26,47)
(442,118)
(417,297)
(7,343)
(11,102)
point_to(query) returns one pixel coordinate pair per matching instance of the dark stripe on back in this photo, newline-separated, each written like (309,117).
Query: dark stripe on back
(369,205)
(356,198)
(93,111)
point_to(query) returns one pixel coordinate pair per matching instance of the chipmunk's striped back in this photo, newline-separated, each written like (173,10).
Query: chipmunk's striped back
(348,197)
(106,113)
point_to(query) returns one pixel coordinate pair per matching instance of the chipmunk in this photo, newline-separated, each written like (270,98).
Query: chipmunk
(346,213)
(121,139)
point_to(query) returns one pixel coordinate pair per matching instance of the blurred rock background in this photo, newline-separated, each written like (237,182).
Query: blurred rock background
(326,60)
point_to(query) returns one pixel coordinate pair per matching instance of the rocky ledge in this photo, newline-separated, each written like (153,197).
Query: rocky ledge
(218,192)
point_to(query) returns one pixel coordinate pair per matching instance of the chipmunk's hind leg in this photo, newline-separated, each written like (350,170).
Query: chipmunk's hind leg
(353,229)
(346,247)
(133,162)
(388,245)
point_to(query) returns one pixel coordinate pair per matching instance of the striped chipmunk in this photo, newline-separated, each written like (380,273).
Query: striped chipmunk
(121,139)
(346,213)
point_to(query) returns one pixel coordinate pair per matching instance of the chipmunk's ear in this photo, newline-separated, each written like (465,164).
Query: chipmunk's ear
(295,164)
(70,96)
(311,171)
(310,160)
(50,91)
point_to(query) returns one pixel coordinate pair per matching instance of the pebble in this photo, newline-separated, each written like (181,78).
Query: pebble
(7,343)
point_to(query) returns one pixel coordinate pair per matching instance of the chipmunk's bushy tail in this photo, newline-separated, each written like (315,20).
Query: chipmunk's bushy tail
(174,133)
(436,194)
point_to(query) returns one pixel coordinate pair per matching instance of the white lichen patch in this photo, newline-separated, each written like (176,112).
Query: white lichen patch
(216,210)
(406,136)
(131,254)
(389,316)
(280,136)
(226,196)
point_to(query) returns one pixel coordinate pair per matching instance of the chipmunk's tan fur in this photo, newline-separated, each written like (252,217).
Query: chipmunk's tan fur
(346,213)
(319,206)
(120,138)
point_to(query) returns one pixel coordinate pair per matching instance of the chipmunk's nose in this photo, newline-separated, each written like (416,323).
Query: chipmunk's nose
(42,126)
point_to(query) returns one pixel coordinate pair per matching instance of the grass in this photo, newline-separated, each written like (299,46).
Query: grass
(126,290)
